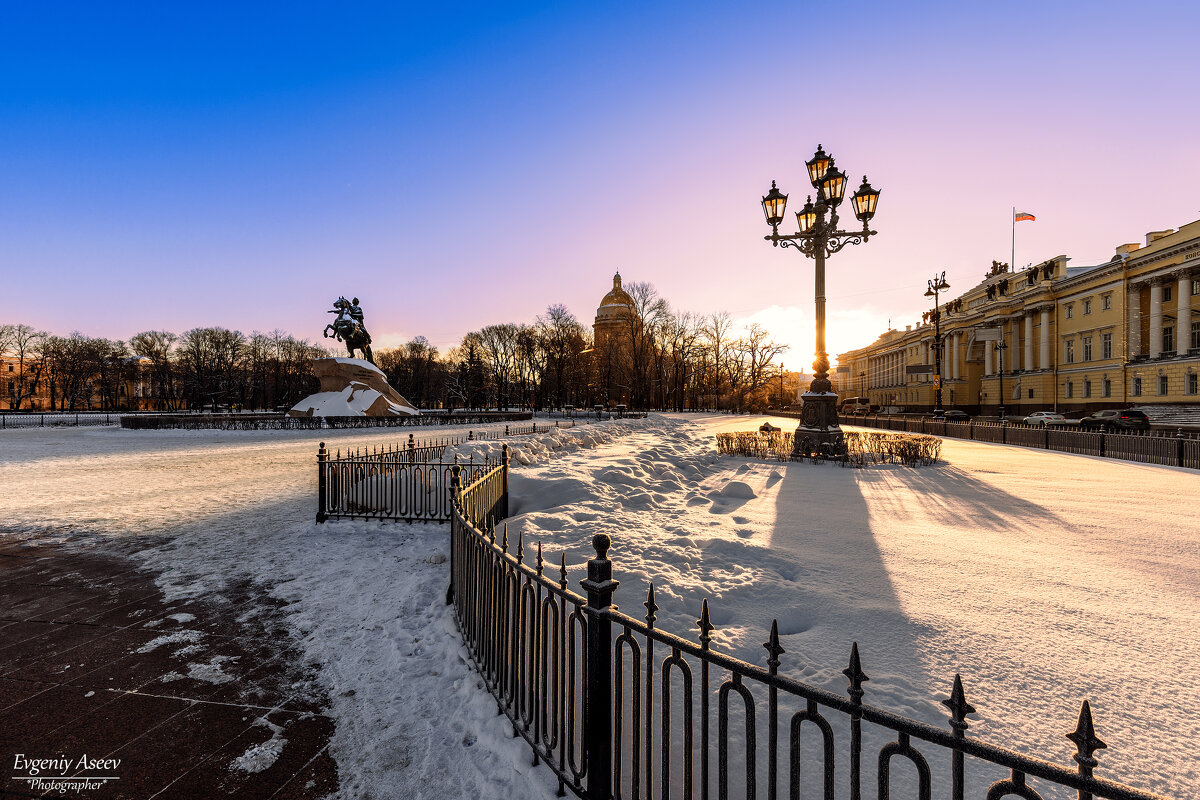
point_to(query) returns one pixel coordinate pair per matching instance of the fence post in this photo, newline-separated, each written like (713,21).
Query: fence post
(971,429)
(1179,447)
(1046,429)
(504,501)
(322,462)
(1004,430)
(1102,442)
(597,720)
(506,431)
(455,502)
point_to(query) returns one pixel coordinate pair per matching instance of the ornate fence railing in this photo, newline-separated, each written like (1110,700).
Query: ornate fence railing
(1156,447)
(276,421)
(391,485)
(619,708)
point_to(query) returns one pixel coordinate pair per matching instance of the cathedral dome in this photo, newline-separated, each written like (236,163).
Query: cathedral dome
(615,304)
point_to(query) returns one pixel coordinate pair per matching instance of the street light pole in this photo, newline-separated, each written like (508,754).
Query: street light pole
(937,284)
(818,238)
(1001,346)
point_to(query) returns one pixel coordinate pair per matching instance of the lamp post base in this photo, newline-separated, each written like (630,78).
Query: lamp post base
(819,435)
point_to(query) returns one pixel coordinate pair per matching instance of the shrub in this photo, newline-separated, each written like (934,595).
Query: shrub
(862,447)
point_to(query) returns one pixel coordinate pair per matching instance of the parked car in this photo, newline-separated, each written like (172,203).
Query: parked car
(1116,420)
(1045,418)
(954,415)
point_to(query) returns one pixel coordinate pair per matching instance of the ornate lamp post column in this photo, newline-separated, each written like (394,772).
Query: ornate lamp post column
(819,238)
(937,284)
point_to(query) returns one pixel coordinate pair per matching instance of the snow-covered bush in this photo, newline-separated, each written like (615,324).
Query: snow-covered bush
(862,448)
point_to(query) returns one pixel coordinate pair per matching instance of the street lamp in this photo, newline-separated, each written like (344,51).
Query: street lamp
(818,238)
(1001,346)
(937,284)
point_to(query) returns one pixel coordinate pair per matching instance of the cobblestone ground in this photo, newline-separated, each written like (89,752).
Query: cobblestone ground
(196,698)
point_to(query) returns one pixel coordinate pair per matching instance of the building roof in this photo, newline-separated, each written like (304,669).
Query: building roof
(615,303)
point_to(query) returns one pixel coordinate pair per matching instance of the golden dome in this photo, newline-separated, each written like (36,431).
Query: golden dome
(615,303)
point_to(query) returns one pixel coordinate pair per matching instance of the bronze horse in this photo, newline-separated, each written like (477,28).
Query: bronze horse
(348,327)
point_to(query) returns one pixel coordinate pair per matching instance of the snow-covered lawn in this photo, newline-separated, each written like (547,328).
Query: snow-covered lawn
(1043,578)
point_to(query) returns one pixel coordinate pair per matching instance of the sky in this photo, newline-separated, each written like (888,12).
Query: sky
(170,166)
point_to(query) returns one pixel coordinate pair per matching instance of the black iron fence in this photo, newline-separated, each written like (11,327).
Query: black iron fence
(55,419)
(1176,449)
(619,708)
(242,421)
(391,484)
(404,483)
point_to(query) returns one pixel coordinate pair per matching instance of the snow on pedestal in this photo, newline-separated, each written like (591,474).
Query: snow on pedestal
(352,387)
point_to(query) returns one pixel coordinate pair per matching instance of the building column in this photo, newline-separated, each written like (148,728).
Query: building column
(1183,322)
(1028,343)
(1156,317)
(987,357)
(1133,338)
(954,356)
(1044,342)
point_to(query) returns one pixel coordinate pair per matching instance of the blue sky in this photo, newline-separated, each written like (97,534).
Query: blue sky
(170,166)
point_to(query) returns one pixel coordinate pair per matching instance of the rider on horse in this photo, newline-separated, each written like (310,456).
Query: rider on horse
(349,328)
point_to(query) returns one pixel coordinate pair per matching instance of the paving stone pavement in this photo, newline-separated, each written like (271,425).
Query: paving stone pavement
(196,698)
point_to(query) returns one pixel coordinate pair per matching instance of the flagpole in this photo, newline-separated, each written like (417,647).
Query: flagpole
(1012,259)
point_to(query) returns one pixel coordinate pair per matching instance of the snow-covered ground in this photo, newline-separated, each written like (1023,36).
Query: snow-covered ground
(1043,578)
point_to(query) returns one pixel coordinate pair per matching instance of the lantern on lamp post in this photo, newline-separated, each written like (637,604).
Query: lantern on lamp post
(818,237)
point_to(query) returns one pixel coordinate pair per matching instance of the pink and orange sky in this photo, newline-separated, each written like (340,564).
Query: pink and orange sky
(171,166)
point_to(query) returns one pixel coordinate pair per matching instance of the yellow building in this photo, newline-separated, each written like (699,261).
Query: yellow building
(1118,334)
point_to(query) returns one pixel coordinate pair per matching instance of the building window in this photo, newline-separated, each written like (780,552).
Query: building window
(1163,384)
(12,388)
(1069,354)
(1195,334)
(1087,348)
(1168,338)
(1107,388)
(1136,389)
(1193,387)
(1106,302)
(1087,388)
(1069,310)
(1167,294)
(1087,306)
(1031,394)
(1195,286)
(1106,345)
(10,367)
(1070,389)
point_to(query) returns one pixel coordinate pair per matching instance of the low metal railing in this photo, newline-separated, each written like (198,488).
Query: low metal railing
(390,485)
(581,682)
(1149,447)
(55,419)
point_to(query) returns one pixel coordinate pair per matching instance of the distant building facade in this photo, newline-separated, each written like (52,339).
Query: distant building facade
(610,335)
(1118,334)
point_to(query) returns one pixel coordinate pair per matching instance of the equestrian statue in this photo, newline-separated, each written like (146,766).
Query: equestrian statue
(348,327)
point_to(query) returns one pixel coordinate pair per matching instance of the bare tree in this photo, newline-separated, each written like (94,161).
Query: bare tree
(26,347)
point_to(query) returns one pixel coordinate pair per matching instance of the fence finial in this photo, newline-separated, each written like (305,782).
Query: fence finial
(520,539)
(562,570)
(1086,742)
(958,705)
(599,583)
(540,563)
(855,675)
(504,538)
(774,649)
(651,606)
(706,626)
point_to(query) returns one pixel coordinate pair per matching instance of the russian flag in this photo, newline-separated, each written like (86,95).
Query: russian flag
(1022,216)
